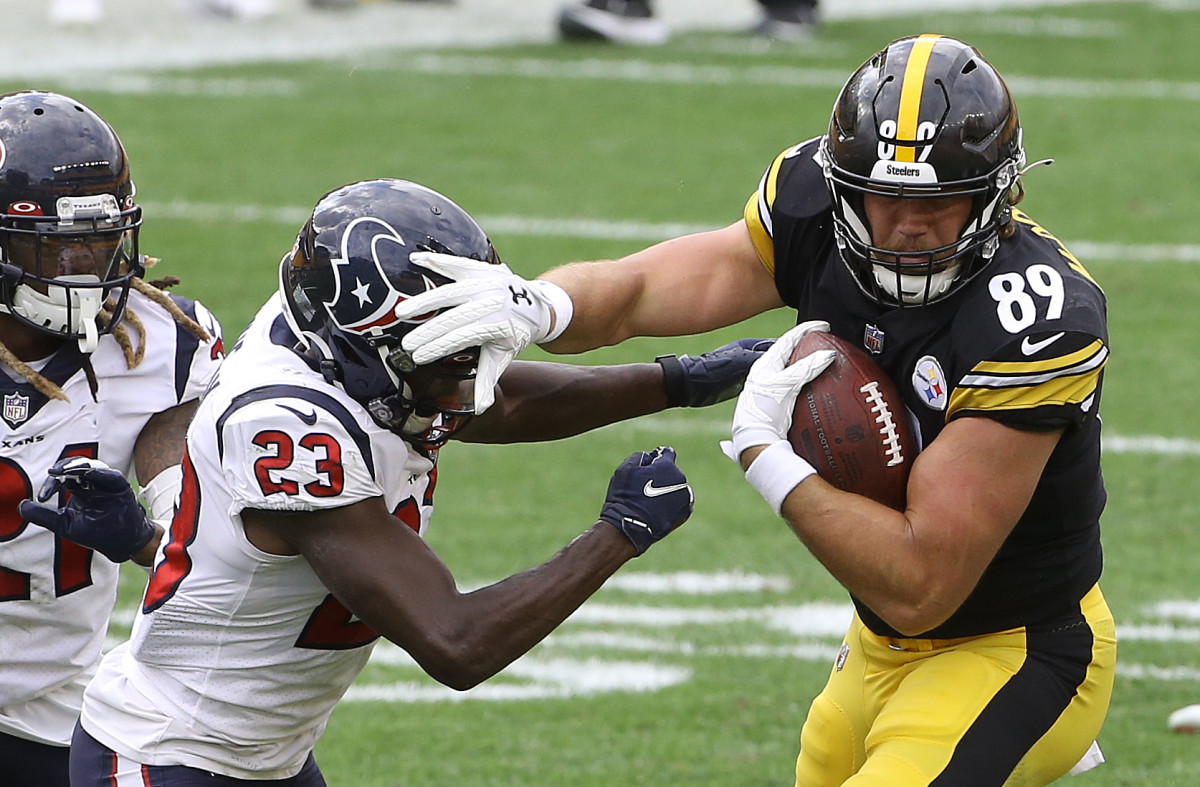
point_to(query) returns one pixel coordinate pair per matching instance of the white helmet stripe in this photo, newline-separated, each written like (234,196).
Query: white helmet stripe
(855,223)
(764,210)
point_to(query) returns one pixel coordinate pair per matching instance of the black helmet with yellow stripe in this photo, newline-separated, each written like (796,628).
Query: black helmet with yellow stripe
(926,117)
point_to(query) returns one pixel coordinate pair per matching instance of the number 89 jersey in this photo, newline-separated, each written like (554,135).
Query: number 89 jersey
(238,656)
(1024,342)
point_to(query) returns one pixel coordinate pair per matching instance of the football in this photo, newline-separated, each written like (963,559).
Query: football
(851,425)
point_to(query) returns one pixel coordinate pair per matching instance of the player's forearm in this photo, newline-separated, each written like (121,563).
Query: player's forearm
(606,300)
(144,557)
(548,401)
(482,632)
(875,553)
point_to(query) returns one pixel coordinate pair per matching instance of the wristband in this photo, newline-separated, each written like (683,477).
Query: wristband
(160,493)
(560,304)
(673,380)
(776,471)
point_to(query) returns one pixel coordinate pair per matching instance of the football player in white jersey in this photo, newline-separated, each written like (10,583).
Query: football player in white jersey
(308,483)
(97,364)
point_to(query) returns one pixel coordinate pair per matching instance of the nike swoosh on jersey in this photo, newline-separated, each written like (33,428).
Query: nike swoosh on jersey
(1029,348)
(650,490)
(308,418)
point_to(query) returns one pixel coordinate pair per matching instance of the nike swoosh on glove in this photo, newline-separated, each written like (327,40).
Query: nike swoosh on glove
(648,497)
(487,306)
(763,413)
(102,512)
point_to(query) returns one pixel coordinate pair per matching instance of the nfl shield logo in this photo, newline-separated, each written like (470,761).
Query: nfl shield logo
(873,339)
(16,409)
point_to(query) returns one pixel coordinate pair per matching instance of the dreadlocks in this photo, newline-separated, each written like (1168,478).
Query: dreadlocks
(154,290)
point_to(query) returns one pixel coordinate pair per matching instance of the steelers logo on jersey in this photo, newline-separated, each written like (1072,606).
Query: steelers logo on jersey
(930,383)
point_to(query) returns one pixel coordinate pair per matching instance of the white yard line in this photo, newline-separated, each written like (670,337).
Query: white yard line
(612,230)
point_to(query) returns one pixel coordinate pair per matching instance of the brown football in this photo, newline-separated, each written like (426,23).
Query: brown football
(851,425)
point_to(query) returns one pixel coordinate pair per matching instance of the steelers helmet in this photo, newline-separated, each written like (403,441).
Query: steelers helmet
(926,117)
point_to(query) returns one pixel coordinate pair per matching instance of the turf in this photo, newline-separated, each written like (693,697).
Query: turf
(639,139)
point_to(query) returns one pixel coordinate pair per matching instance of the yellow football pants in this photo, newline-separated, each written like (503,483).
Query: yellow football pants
(1015,709)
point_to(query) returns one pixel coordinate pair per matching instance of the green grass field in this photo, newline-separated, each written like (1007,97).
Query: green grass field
(697,665)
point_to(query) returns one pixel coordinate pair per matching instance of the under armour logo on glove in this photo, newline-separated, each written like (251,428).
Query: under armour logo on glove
(520,295)
(486,306)
(648,497)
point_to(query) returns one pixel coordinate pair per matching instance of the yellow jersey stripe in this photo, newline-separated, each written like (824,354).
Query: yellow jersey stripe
(910,96)
(1039,367)
(976,380)
(1071,390)
(759,235)
(772,178)
(758,213)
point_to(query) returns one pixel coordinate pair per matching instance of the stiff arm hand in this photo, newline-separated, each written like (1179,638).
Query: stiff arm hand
(648,497)
(102,513)
(488,306)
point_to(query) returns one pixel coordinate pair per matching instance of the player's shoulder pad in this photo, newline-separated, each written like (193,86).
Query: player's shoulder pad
(1034,288)
(301,414)
(794,183)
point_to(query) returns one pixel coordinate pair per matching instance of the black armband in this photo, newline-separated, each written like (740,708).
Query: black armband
(674,380)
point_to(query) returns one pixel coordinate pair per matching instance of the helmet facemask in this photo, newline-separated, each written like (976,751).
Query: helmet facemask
(963,139)
(61,272)
(431,402)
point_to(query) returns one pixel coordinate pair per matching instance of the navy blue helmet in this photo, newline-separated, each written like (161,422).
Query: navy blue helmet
(68,220)
(341,284)
(926,117)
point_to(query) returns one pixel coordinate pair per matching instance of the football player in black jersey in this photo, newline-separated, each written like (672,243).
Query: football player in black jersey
(982,652)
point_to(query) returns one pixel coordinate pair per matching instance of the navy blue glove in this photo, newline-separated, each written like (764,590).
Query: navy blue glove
(713,377)
(648,497)
(102,513)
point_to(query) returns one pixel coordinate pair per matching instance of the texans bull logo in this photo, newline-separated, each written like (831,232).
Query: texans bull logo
(365,299)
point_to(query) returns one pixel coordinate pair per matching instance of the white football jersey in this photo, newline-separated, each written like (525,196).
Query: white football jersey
(238,656)
(55,596)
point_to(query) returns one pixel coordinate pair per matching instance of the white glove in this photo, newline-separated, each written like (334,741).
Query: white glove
(763,413)
(488,306)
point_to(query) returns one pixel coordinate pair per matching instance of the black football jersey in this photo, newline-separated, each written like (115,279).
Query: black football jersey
(1024,342)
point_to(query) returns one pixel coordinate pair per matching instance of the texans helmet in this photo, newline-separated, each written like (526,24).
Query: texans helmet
(68,221)
(926,117)
(342,281)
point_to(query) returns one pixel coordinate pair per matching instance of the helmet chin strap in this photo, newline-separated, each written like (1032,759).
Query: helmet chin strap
(63,309)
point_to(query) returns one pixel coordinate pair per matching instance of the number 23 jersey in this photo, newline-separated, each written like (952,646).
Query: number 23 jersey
(238,656)
(1024,342)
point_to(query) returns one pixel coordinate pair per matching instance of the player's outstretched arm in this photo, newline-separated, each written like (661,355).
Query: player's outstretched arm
(683,286)
(390,579)
(547,401)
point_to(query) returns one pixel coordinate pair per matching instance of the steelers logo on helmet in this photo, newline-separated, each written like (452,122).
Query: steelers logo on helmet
(927,117)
